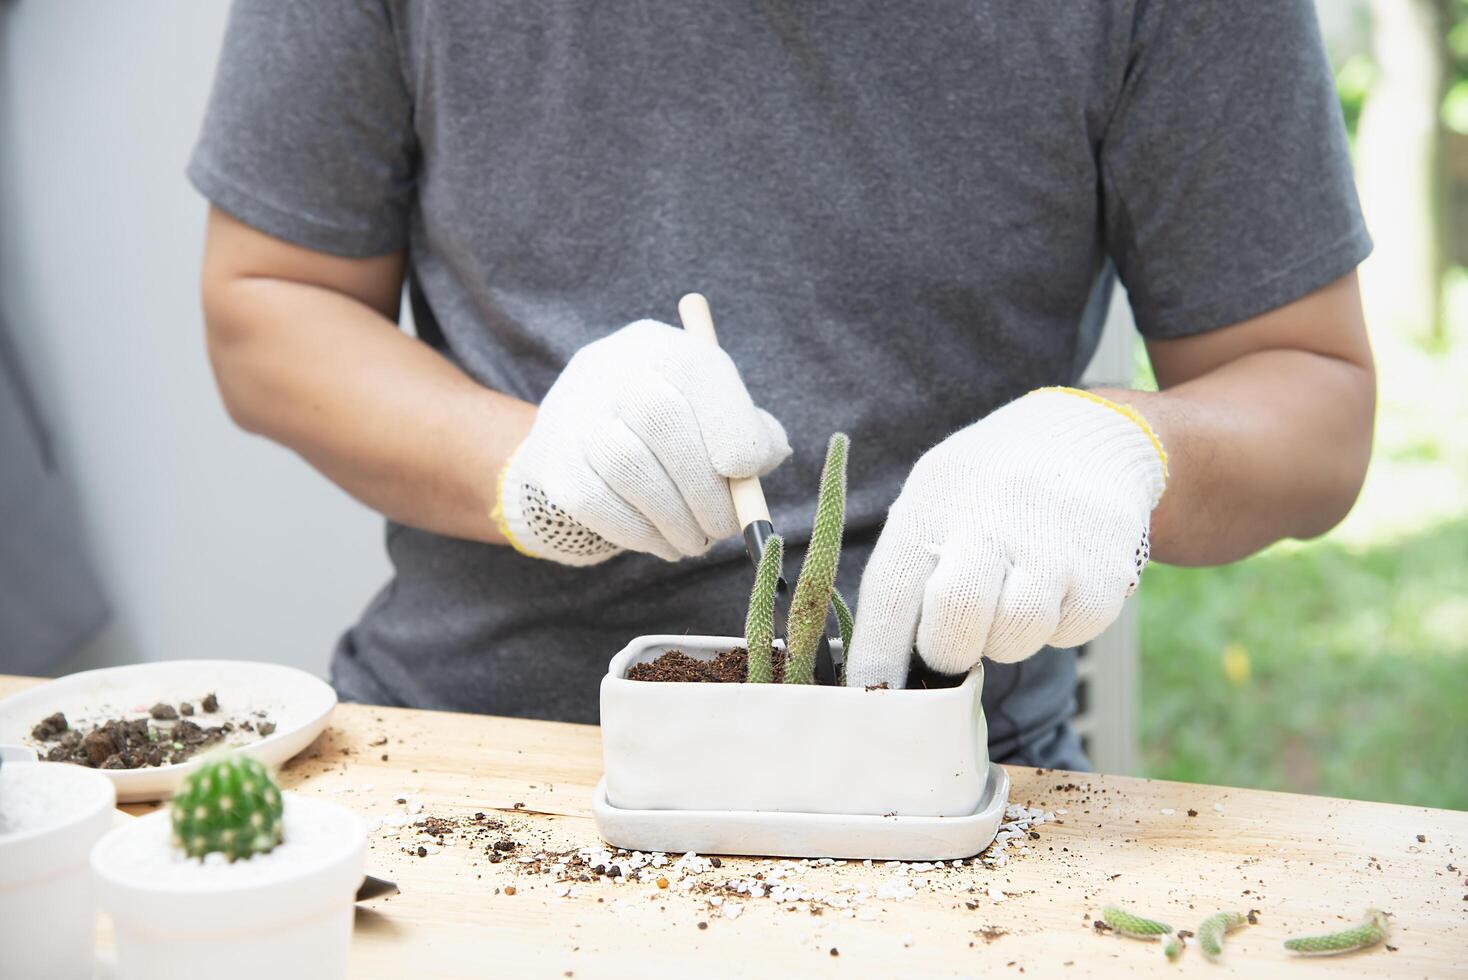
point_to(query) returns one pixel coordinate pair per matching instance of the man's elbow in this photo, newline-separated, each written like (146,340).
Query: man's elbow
(233,341)
(1343,473)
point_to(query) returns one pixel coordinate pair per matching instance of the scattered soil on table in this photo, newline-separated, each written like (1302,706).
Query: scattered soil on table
(531,856)
(165,737)
(731,667)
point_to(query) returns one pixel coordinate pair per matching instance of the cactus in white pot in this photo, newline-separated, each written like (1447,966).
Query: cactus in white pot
(814,591)
(233,863)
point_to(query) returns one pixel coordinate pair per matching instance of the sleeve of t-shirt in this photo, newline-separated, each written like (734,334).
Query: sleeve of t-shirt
(309,132)
(1225,171)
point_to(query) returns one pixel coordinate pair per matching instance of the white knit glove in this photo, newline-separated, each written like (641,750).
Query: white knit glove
(1027,528)
(632,450)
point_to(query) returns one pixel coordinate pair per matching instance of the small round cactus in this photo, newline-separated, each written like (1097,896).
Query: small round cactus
(229,805)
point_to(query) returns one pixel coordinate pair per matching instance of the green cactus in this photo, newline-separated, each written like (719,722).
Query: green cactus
(844,621)
(818,572)
(1368,933)
(1211,932)
(759,624)
(228,805)
(1128,924)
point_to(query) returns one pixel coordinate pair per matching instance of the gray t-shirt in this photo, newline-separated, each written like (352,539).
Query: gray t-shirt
(903,214)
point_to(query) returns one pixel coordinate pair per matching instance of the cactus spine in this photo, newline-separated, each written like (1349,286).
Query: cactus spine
(818,572)
(229,805)
(759,624)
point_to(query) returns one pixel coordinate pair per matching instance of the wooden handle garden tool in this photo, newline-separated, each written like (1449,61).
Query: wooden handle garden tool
(750,508)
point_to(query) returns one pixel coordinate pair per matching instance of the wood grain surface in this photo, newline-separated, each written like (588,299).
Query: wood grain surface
(1307,864)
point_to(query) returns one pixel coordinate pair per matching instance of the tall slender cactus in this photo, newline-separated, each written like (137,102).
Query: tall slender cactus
(818,572)
(759,624)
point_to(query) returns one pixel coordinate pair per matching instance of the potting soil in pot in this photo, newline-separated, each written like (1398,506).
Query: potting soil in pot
(731,667)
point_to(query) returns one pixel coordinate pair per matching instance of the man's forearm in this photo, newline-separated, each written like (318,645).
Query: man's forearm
(381,414)
(1271,445)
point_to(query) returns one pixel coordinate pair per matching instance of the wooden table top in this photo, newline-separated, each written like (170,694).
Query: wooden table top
(1175,851)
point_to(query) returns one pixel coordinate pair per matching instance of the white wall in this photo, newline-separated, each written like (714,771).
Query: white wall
(210,543)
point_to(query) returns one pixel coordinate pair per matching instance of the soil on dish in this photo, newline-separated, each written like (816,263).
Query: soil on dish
(730,667)
(164,737)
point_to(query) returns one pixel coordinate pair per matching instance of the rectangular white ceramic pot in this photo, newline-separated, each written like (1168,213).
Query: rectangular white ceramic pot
(787,747)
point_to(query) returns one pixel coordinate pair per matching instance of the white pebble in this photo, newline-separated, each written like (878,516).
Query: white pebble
(897,890)
(731,911)
(1168,811)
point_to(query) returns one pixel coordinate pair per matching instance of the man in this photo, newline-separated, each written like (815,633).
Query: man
(906,218)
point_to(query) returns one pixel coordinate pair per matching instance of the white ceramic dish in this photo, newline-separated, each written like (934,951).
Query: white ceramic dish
(50,816)
(807,835)
(287,913)
(299,704)
(788,748)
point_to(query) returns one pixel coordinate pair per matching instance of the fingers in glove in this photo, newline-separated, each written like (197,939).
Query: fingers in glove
(659,415)
(959,603)
(775,432)
(1026,615)
(593,505)
(634,474)
(1093,604)
(889,605)
(740,438)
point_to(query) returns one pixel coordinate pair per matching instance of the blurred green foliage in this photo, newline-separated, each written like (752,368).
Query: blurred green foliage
(1455,103)
(1357,72)
(1314,669)
(1352,83)
(1338,666)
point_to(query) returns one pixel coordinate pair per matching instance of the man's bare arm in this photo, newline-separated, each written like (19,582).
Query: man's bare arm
(1267,425)
(306,352)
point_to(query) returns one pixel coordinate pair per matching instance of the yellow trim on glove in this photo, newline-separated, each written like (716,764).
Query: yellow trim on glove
(1125,410)
(497,512)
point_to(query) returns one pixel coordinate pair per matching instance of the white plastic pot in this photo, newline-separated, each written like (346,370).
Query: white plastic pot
(788,748)
(50,816)
(287,913)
